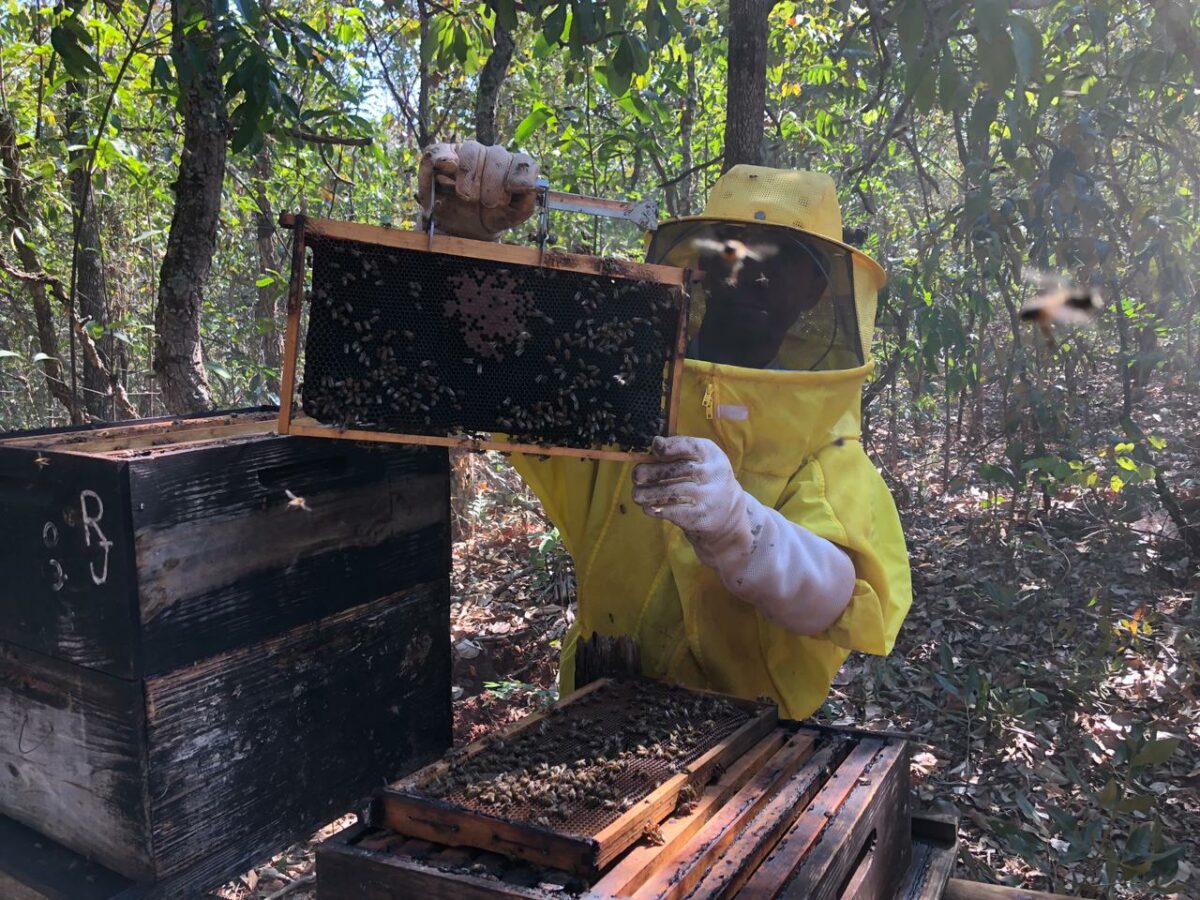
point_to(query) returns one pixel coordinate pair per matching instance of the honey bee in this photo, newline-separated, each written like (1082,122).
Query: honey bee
(41,461)
(295,502)
(1059,301)
(728,257)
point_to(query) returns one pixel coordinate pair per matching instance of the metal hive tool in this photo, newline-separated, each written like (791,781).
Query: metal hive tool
(441,340)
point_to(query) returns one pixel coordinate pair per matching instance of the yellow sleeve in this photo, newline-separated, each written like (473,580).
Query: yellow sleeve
(840,496)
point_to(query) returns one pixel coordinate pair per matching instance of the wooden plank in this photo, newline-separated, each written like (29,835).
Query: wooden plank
(508,253)
(658,804)
(810,827)
(773,789)
(97,440)
(71,744)
(33,866)
(726,876)
(872,830)
(345,872)
(224,560)
(252,748)
(436,820)
(291,339)
(307,427)
(675,378)
(958,889)
(640,863)
(932,864)
(67,582)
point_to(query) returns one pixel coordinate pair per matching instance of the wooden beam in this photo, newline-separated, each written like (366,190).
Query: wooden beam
(291,341)
(642,861)
(958,889)
(310,428)
(507,253)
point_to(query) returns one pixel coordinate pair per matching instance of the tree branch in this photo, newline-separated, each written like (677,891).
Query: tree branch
(338,140)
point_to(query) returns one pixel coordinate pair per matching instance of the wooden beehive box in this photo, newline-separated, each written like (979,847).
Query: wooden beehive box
(798,812)
(213,639)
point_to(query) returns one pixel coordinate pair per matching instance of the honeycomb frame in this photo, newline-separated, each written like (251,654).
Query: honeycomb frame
(609,294)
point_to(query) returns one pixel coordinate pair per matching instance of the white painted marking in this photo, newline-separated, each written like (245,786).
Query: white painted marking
(60,577)
(91,522)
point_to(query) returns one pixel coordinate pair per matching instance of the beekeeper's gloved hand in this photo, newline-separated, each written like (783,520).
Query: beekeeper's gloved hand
(480,191)
(794,577)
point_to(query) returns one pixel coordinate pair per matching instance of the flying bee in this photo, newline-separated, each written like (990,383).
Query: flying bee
(41,461)
(295,502)
(727,257)
(1059,301)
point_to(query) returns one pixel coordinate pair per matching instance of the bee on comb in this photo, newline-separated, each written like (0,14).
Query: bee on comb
(1056,300)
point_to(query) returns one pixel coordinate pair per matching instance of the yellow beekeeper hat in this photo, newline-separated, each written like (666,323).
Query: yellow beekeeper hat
(802,201)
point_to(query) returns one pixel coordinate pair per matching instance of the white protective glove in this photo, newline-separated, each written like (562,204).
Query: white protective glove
(792,576)
(480,191)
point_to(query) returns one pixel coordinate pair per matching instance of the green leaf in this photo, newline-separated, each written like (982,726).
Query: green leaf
(78,62)
(1110,795)
(1027,49)
(989,18)
(264,280)
(1155,753)
(250,10)
(552,28)
(219,370)
(622,61)
(949,82)
(41,357)
(910,28)
(539,116)
(616,82)
(996,61)
(160,76)
(6,354)
(1136,803)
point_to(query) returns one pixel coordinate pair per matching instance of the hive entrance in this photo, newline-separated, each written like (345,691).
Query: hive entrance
(576,353)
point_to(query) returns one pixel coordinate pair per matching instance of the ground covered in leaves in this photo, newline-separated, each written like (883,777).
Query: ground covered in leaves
(1049,671)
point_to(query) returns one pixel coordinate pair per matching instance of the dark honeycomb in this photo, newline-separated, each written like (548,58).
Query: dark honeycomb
(578,770)
(414,342)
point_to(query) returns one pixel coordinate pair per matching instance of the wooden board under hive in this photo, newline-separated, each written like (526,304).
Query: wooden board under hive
(194,672)
(803,813)
(456,342)
(580,783)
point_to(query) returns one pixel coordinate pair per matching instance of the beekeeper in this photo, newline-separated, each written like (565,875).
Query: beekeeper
(761,546)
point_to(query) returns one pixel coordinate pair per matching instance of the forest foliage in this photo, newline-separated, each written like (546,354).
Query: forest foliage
(973,141)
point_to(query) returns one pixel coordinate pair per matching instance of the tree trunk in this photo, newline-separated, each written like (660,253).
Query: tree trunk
(491,79)
(177,354)
(746,82)
(687,128)
(91,291)
(16,210)
(266,307)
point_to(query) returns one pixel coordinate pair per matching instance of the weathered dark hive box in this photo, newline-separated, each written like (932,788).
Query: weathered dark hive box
(213,639)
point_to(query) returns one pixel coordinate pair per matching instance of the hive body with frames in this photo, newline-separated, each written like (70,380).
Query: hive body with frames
(453,341)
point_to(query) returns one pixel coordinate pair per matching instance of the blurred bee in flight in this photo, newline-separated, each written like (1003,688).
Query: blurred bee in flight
(1058,301)
(725,259)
